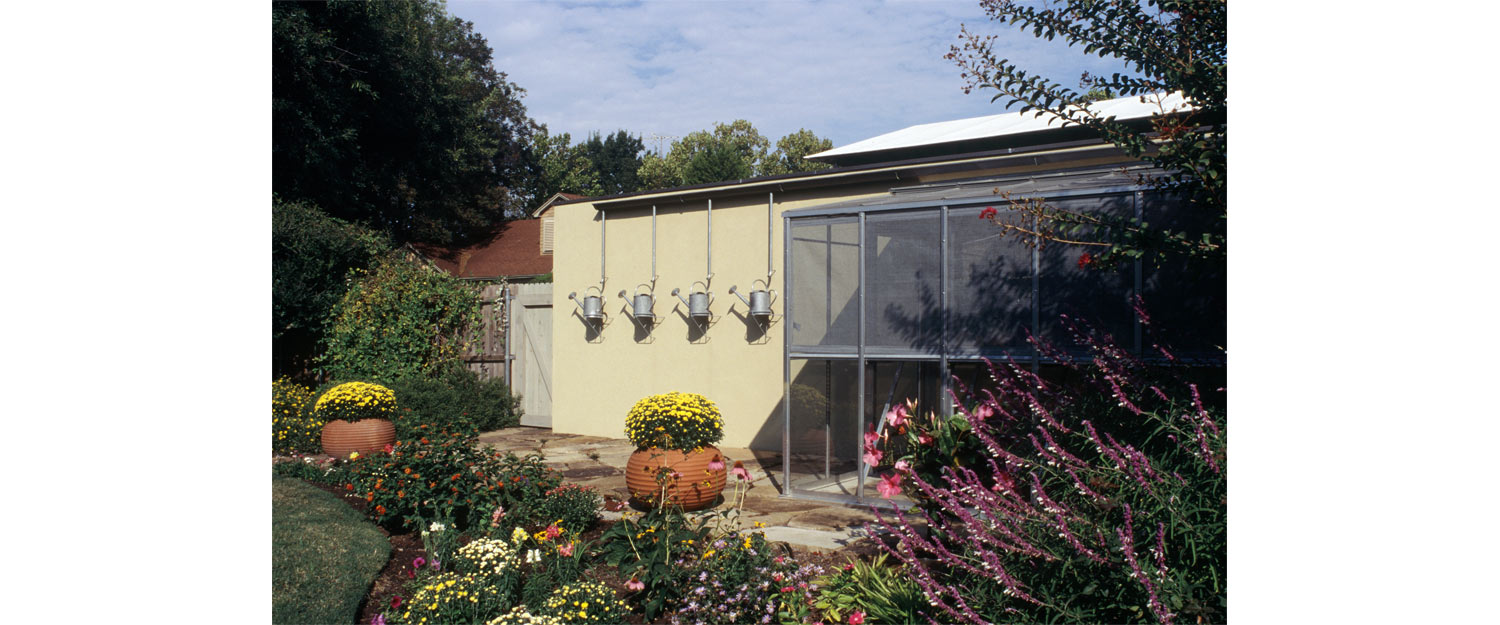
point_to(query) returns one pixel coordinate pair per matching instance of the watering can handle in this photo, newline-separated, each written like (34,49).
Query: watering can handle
(773,298)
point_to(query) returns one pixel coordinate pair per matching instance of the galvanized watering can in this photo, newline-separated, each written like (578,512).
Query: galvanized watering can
(641,302)
(592,306)
(697,301)
(760,299)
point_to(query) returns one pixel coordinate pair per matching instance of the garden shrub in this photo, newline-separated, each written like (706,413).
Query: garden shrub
(1107,505)
(444,476)
(450,597)
(329,472)
(354,401)
(572,506)
(552,557)
(401,319)
(586,602)
(878,592)
(293,429)
(737,579)
(324,555)
(458,398)
(651,550)
(675,420)
(519,615)
(311,253)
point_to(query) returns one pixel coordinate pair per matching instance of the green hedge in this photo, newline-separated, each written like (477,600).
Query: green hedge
(324,555)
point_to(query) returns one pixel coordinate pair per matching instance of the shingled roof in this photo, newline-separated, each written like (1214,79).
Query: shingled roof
(511,249)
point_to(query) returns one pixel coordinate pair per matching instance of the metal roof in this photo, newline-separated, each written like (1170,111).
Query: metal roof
(990,126)
(1055,185)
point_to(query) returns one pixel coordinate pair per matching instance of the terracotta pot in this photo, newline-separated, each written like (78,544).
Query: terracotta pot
(695,489)
(340,437)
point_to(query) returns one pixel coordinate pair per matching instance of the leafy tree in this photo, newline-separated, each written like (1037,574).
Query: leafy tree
(717,162)
(564,168)
(311,253)
(390,113)
(791,151)
(617,158)
(1170,46)
(730,152)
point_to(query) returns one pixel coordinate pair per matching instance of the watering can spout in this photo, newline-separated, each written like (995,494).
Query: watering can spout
(734,290)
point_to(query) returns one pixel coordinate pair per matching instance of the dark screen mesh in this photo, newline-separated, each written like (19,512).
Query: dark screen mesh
(1185,298)
(825,283)
(1097,296)
(989,288)
(903,301)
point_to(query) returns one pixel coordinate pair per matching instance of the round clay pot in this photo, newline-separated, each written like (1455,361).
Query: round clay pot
(695,489)
(341,438)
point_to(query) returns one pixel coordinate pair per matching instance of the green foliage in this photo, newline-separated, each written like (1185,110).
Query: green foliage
(390,113)
(731,151)
(329,472)
(355,401)
(791,151)
(617,158)
(402,319)
(650,550)
(1101,497)
(552,558)
(565,168)
(572,506)
(451,597)
(293,429)
(1170,46)
(311,253)
(586,602)
(675,420)
(324,555)
(445,477)
(883,592)
(456,399)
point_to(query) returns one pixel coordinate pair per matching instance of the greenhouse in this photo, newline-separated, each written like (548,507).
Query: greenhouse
(892,297)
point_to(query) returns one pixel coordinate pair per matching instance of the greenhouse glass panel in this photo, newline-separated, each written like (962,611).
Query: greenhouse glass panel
(903,273)
(1185,297)
(1069,284)
(825,283)
(989,284)
(823,436)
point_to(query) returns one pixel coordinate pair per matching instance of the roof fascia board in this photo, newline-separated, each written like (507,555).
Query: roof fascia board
(846,175)
(814,211)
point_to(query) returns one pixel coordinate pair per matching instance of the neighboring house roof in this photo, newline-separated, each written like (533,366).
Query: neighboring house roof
(510,249)
(556,197)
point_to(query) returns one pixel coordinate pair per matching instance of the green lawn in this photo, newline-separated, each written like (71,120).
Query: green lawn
(324,555)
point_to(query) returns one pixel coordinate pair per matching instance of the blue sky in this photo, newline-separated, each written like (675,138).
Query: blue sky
(845,70)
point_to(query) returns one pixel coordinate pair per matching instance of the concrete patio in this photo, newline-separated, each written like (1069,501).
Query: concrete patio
(600,463)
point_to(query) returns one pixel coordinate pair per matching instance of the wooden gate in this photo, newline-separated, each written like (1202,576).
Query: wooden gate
(531,349)
(487,356)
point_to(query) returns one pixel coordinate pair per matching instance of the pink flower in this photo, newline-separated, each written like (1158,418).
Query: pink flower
(857,618)
(495,516)
(984,411)
(553,531)
(437,566)
(417,563)
(897,417)
(388,448)
(924,439)
(873,456)
(395,602)
(635,584)
(739,471)
(871,438)
(889,486)
(902,466)
(776,577)
(786,589)
(988,212)
(565,550)
(716,465)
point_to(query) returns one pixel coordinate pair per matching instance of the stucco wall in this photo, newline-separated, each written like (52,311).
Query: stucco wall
(596,379)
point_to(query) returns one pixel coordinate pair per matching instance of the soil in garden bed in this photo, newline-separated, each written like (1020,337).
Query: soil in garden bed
(407,546)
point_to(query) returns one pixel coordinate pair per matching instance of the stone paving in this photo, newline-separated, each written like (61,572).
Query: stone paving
(600,463)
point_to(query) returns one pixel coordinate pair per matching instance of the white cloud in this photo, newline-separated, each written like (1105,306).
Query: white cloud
(845,70)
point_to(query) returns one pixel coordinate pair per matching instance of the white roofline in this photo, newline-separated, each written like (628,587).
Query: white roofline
(1131,107)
